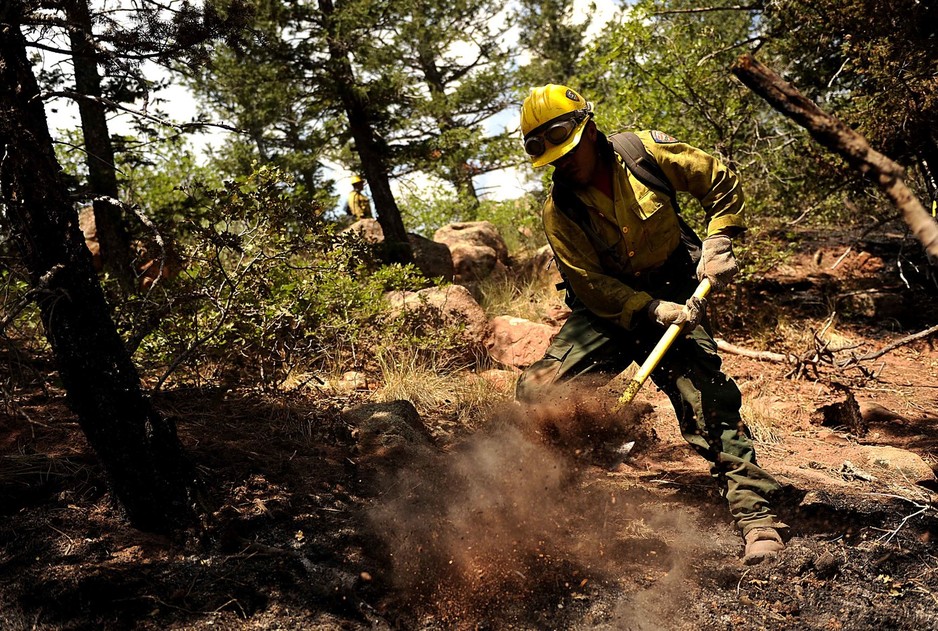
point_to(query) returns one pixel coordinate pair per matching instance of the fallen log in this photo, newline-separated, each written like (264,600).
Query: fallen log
(839,138)
(768,356)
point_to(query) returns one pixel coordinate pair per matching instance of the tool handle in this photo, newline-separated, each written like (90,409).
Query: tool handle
(658,352)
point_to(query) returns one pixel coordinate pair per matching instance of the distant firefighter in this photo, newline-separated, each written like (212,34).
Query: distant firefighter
(357,203)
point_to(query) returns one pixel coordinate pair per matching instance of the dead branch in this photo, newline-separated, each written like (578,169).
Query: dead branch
(839,138)
(768,356)
(891,347)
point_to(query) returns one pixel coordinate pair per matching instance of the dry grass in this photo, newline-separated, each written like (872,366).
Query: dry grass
(760,420)
(439,389)
(529,299)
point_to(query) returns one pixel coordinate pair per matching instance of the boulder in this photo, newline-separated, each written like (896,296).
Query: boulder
(907,464)
(369,230)
(480,233)
(449,306)
(383,427)
(518,342)
(540,266)
(473,263)
(431,258)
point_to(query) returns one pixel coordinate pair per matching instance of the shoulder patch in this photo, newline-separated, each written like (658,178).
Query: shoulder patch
(662,138)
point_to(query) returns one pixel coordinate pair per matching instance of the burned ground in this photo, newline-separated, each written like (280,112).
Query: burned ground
(526,523)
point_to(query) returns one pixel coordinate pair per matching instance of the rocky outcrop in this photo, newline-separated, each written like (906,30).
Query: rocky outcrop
(518,342)
(433,259)
(446,306)
(478,250)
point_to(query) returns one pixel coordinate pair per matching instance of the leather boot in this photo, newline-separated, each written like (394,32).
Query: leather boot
(762,543)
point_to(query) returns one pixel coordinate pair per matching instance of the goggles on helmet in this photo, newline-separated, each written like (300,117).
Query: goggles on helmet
(554,131)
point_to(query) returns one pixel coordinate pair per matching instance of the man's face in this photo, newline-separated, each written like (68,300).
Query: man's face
(578,165)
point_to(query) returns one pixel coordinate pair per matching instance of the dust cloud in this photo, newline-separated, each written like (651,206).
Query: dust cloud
(517,515)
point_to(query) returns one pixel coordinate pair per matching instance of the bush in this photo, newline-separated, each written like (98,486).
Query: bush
(268,289)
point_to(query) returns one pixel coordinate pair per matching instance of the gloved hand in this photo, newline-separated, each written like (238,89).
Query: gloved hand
(667,313)
(717,261)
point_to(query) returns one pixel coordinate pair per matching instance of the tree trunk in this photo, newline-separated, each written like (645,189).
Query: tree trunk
(836,136)
(141,454)
(370,150)
(99,152)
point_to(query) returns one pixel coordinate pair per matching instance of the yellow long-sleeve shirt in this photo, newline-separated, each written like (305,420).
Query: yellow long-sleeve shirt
(638,225)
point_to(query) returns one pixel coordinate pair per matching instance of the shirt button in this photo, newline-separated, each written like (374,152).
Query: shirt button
(632,253)
(625,229)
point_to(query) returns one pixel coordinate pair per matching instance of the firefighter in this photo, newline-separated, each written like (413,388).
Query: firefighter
(357,205)
(630,265)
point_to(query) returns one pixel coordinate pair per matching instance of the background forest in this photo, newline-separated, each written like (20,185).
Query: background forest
(224,271)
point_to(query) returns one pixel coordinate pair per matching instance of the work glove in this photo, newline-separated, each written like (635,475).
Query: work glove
(667,313)
(717,261)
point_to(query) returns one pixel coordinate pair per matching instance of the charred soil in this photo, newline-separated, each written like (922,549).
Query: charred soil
(535,521)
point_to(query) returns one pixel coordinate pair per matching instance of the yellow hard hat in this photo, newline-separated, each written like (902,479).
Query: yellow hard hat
(356,179)
(552,120)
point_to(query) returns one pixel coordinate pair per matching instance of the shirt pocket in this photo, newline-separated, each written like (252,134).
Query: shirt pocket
(661,231)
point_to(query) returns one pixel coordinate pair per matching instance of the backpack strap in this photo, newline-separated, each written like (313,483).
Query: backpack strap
(646,170)
(642,164)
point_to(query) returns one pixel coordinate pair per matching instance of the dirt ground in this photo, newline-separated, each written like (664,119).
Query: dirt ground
(512,527)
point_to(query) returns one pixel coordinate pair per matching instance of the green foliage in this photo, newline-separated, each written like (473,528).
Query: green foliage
(268,288)
(872,61)
(518,221)
(663,68)
(429,209)
(155,175)
(549,31)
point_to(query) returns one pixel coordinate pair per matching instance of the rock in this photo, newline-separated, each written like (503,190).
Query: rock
(501,380)
(387,426)
(908,464)
(826,565)
(557,314)
(478,233)
(475,262)
(449,306)
(431,258)
(369,229)
(519,342)
(539,266)
(875,413)
(352,380)
(879,305)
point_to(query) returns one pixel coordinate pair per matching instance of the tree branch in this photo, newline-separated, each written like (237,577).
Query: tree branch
(135,112)
(833,134)
(751,7)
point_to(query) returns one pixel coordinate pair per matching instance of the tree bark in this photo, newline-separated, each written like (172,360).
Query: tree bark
(142,457)
(99,152)
(839,138)
(370,150)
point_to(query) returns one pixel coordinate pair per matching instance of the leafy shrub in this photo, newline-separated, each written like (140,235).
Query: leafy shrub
(268,288)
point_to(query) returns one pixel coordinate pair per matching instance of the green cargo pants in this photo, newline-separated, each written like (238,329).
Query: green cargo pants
(705,400)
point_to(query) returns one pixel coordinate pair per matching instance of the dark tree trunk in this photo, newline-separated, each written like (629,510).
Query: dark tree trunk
(369,148)
(141,454)
(99,152)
